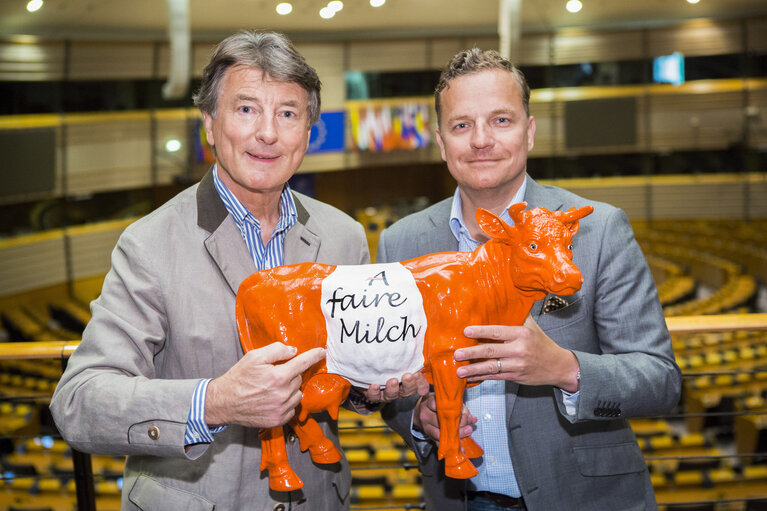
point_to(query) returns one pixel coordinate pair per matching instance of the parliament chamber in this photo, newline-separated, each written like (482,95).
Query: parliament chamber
(87,136)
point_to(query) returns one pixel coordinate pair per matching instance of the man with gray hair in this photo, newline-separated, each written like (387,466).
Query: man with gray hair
(160,375)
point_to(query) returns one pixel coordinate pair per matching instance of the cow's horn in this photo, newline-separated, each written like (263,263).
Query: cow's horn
(514,210)
(573,214)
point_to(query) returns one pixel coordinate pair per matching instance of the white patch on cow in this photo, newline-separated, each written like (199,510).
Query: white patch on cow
(375,323)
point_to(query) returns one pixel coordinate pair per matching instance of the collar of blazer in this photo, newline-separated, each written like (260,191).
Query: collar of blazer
(225,246)
(211,210)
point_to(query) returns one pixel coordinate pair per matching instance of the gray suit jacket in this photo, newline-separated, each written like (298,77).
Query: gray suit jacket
(615,327)
(164,320)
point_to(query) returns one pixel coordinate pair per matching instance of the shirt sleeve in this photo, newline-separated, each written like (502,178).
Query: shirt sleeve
(570,401)
(197,431)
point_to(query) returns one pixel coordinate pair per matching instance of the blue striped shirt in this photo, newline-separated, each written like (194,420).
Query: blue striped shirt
(264,257)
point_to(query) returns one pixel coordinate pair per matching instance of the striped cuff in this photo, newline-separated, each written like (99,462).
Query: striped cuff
(197,432)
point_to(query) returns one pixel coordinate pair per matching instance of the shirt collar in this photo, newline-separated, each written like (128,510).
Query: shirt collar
(458,226)
(241,215)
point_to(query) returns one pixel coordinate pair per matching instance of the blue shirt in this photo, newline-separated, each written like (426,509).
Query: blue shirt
(264,257)
(487,401)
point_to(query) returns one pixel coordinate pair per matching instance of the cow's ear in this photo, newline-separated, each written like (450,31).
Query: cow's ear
(492,225)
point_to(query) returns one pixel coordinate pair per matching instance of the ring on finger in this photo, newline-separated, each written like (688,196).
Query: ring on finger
(499,366)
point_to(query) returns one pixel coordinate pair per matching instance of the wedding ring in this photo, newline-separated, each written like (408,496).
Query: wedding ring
(499,365)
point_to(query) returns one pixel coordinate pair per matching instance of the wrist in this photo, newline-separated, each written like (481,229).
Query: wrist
(571,381)
(213,413)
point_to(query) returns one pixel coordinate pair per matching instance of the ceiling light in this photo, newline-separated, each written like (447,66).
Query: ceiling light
(172,145)
(34,5)
(377,3)
(574,6)
(284,8)
(693,1)
(336,5)
(327,13)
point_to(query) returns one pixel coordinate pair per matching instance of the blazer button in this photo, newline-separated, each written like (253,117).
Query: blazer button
(153,432)
(291,439)
(279,507)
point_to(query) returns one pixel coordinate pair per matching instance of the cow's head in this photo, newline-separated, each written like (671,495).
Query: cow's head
(538,246)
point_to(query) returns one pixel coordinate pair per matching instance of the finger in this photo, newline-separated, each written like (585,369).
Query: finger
(373,393)
(409,385)
(272,353)
(430,402)
(305,360)
(495,332)
(486,369)
(391,390)
(467,418)
(482,351)
(422,384)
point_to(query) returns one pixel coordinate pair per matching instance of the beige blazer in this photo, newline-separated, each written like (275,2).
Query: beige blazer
(164,320)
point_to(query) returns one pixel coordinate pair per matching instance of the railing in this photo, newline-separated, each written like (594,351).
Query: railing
(678,326)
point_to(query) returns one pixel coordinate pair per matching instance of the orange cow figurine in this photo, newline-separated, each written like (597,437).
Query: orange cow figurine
(372,320)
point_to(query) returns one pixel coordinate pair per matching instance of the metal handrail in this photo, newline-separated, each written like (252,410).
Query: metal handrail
(82,461)
(676,325)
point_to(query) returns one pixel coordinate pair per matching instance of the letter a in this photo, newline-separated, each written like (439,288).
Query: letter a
(379,276)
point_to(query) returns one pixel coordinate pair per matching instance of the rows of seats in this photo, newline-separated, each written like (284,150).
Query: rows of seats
(711,267)
(712,447)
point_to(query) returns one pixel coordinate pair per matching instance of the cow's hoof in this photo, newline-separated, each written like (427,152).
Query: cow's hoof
(325,452)
(284,480)
(470,448)
(459,467)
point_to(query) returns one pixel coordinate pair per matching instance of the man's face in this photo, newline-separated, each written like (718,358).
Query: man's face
(484,133)
(260,131)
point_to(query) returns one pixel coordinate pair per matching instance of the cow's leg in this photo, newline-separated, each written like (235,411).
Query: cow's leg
(311,436)
(448,390)
(274,459)
(322,392)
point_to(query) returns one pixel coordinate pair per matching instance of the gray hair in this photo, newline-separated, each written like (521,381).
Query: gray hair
(273,54)
(473,61)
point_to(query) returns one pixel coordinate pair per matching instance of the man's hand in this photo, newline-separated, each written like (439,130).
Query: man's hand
(425,418)
(410,384)
(526,354)
(259,391)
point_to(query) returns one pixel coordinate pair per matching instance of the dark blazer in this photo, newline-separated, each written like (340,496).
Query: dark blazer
(615,327)
(164,320)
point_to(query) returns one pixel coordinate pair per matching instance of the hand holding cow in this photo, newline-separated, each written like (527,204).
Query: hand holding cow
(425,418)
(525,354)
(394,389)
(262,390)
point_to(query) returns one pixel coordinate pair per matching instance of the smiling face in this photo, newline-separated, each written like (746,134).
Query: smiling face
(484,133)
(260,132)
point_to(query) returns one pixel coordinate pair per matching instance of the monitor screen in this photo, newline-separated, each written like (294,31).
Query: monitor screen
(668,69)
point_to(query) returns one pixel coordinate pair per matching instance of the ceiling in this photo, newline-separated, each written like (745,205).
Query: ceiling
(213,19)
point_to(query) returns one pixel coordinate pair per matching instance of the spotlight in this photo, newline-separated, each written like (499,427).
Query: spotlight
(377,3)
(172,145)
(574,6)
(327,13)
(34,5)
(284,8)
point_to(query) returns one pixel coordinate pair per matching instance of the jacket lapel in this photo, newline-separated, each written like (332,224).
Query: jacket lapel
(536,196)
(224,244)
(301,244)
